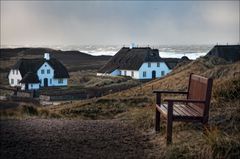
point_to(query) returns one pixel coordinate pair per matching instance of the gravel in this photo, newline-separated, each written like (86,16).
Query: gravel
(63,138)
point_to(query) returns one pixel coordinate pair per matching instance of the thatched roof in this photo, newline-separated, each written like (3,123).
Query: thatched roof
(131,59)
(227,52)
(30,77)
(172,62)
(32,65)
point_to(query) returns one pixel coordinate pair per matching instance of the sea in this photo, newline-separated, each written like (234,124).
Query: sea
(165,51)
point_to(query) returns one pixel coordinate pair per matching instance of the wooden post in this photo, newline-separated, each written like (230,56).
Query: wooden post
(158,115)
(169,122)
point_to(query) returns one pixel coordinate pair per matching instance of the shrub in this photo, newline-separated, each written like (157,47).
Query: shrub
(29,110)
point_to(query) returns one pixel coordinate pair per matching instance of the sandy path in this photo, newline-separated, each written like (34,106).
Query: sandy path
(61,138)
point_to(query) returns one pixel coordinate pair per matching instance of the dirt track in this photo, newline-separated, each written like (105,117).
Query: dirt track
(61,138)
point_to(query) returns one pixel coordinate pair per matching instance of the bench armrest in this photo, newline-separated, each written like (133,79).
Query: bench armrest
(185,100)
(170,92)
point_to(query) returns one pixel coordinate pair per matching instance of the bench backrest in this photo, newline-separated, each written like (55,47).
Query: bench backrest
(200,89)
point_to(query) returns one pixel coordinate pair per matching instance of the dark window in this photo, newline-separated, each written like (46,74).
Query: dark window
(13,71)
(132,74)
(48,71)
(149,64)
(12,81)
(18,81)
(16,72)
(60,81)
(32,85)
(144,73)
(42,71)
(50,81)
(162,73)
(158,64)
(125,73)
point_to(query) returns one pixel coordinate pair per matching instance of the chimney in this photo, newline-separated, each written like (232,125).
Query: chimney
(132,45)
(46,56)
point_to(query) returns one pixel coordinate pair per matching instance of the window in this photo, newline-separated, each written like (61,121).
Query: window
(132,74)
(144,73)
(158,64)
(162,73)
(31,85)
(120,72)
(16,72)
(42,71)
(50,81)
(149,64)
(125,73)
(13,71)
(60,81)
(18,81)
(12,81)
(48,71)
(45,65)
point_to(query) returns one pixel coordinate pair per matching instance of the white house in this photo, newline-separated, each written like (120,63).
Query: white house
(137,62)
(32,74)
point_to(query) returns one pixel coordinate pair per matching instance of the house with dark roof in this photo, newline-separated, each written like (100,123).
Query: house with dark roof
(136,62)
(230,53)
(30,74)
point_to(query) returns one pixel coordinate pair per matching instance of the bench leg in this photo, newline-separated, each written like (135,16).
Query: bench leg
(157,121)
(169,131)
(169,122)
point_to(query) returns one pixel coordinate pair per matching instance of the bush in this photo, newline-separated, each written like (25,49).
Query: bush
(29,110)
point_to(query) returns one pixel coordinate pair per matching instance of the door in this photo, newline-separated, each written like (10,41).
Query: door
(26,86)
(45,82)
(153,74)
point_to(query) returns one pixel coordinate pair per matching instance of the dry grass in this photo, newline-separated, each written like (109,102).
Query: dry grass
(135,106)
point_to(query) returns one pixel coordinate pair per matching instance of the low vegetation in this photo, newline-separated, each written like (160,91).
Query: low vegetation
(135,106)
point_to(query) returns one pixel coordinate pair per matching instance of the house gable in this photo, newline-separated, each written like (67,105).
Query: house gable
(145,72)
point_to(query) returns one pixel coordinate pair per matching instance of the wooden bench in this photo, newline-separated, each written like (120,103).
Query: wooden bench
(195,108)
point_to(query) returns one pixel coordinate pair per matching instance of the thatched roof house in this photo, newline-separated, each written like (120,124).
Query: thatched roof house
(137,62)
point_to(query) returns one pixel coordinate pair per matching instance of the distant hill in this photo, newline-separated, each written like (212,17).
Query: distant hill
(73,60)
(228,52)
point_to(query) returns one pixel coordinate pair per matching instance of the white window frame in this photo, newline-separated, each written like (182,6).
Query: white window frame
(144,74)
(42,71)
(12,81)
(48,71)
(162,73)
(60,81)
(149,64)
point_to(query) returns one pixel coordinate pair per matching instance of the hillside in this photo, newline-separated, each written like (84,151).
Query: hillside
(136,106)
(74,60)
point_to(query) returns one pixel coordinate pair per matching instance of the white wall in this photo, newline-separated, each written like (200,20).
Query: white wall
(55,82)
(129,73)
(16,77)
(148,70)
(31,86)
(115,73)
(49,76)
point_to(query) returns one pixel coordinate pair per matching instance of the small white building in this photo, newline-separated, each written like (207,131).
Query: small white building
(30,74)
(138,63)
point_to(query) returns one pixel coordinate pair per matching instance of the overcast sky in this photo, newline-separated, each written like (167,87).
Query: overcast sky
(109,22)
